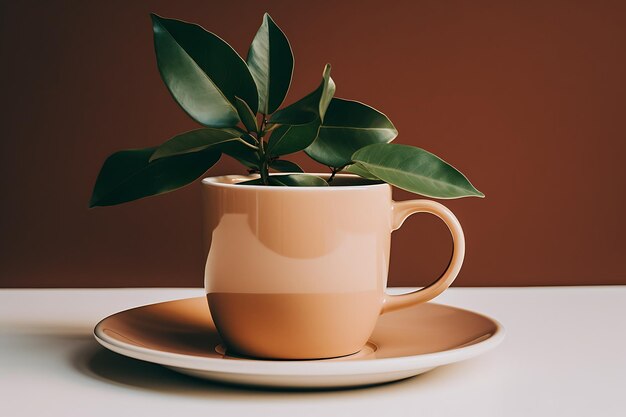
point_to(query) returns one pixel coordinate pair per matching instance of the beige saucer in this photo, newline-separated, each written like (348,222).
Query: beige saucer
(181,335)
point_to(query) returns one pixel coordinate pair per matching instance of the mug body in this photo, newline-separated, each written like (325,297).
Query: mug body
(296,272)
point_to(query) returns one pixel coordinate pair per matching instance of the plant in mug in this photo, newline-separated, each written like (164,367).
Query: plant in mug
(238,103)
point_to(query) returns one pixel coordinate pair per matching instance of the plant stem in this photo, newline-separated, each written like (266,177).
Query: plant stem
(264,171)
(334,171)
(263,156)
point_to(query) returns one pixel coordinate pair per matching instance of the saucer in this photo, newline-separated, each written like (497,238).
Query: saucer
(181,335)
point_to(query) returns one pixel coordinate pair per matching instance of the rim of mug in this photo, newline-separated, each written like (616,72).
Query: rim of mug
(217,181)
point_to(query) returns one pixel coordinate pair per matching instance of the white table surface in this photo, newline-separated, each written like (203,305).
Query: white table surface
(564,355)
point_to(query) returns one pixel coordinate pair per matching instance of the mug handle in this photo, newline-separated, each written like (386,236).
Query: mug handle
(400,211)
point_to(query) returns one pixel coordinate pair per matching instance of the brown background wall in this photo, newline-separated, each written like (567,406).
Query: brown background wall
(527,98)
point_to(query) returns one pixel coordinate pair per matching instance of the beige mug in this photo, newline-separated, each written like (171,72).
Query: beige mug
(301,272)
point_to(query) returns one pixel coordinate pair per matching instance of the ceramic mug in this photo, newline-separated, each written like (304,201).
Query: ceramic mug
(301,272)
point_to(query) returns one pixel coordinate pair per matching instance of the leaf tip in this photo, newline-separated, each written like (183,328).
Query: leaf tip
(394,132)
(156,155)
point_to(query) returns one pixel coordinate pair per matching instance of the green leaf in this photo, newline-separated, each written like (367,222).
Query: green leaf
(128,175)
(256,181)
(311,107)
(349,125)
(298,180)
(242,153)
(194,141)
(283,165)
(288,139)
(271,64)
(202,72)
(360,171)
(415,170)
(248,118)
(290,180)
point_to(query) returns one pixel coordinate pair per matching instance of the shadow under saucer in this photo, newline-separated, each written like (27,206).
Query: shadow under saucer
(104,365)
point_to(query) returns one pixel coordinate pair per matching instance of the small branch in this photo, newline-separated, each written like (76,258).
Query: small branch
(249,145)
(334,172)
(263,124)
(271,127)
(251,137)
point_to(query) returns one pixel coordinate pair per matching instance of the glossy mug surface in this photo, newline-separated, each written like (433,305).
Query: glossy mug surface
(300,272)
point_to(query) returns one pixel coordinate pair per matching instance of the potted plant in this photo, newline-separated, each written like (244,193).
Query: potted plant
(278,223)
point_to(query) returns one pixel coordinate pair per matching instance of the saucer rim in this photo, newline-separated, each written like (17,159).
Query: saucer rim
(319,367)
